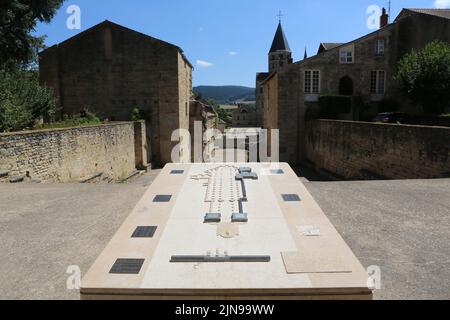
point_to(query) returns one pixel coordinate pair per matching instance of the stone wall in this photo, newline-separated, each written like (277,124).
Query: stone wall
(66,155)
(361,150)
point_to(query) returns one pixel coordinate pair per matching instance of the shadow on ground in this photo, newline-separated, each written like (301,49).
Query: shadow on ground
(308,174)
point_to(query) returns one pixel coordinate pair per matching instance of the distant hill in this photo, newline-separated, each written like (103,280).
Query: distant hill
(226,94)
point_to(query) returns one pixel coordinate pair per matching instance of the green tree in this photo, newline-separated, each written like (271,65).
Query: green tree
(23,100)
(18,19)
(424,76)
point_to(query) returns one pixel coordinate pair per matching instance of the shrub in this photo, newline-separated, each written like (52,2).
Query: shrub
(23,100)
(331,106)
(137,115)
(83,119)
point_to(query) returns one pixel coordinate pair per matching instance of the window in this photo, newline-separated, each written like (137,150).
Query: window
(316,81)
(379,47)
(346,55)
(377,82)
(312,81)
(307,81)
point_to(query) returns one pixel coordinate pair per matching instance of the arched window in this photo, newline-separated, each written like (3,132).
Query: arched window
(346,86)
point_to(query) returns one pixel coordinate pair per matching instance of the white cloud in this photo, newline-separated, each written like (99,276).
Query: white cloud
(442,4)
(204,64)
(232,53)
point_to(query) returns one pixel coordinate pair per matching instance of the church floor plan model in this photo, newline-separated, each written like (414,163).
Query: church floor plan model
(225,231)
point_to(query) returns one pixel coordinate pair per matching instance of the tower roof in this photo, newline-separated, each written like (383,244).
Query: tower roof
(280,42)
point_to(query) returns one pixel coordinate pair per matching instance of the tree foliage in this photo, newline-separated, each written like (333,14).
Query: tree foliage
(18,19)
(425,76)
(23,100)
(223,115)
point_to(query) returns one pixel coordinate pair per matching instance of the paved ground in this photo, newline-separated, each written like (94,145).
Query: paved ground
(401,226)
(44,229)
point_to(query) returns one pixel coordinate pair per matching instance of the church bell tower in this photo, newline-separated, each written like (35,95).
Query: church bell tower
(280,54)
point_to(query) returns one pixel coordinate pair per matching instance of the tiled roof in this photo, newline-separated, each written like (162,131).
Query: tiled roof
(442,13)
(330,45)
(325,46)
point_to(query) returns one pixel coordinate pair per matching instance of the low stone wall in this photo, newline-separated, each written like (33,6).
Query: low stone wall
(66,155)
(361,150)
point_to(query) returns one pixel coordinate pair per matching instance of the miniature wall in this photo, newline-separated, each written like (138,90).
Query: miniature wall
(361,150)
(73,154)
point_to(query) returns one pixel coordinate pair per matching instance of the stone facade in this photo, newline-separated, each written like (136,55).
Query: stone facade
(204,114)
(366,74)
(245,117)
(363,150)
(112,70)
(73,154)
(260,78)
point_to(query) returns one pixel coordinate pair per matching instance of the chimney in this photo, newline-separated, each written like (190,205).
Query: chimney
(384,19)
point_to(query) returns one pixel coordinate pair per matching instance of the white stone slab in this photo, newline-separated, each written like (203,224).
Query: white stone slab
(275,228)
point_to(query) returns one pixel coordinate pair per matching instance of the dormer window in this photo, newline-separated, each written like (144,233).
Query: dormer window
(346,55)
(379,47)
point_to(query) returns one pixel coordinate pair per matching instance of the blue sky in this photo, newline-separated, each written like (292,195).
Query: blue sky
(228,40)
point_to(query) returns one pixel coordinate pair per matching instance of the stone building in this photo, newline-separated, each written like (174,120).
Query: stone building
(361,69)
(245,117)
(111,70)
(279,56)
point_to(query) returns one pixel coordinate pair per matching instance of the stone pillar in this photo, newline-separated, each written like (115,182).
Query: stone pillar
(140,145)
